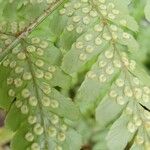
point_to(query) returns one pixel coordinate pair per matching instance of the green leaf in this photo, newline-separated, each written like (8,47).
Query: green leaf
(93,43)
(16,9)
(61,79)
(113,79)
(87,43)
(118,13)
(139,143)
(100,140)
(119,136)
(107,111)
(147,10)
(39,109)
(56,25)
(72,141)
(82,51)
(5,135)
(96,83)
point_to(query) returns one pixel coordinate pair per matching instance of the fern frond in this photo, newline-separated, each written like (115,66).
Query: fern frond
(25,28)
(90,40)
(98,29)
(93,35)
(29,75)
(37,112)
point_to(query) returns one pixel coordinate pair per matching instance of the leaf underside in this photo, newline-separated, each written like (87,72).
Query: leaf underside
(115,87)
(37,112)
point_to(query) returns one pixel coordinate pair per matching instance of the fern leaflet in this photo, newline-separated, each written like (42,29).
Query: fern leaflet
(115,78)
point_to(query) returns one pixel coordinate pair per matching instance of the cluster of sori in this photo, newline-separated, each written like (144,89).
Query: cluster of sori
(13,27)
(82,13)
(93,29)
(8,32)
(28,81)
(98,25)
(97,28)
